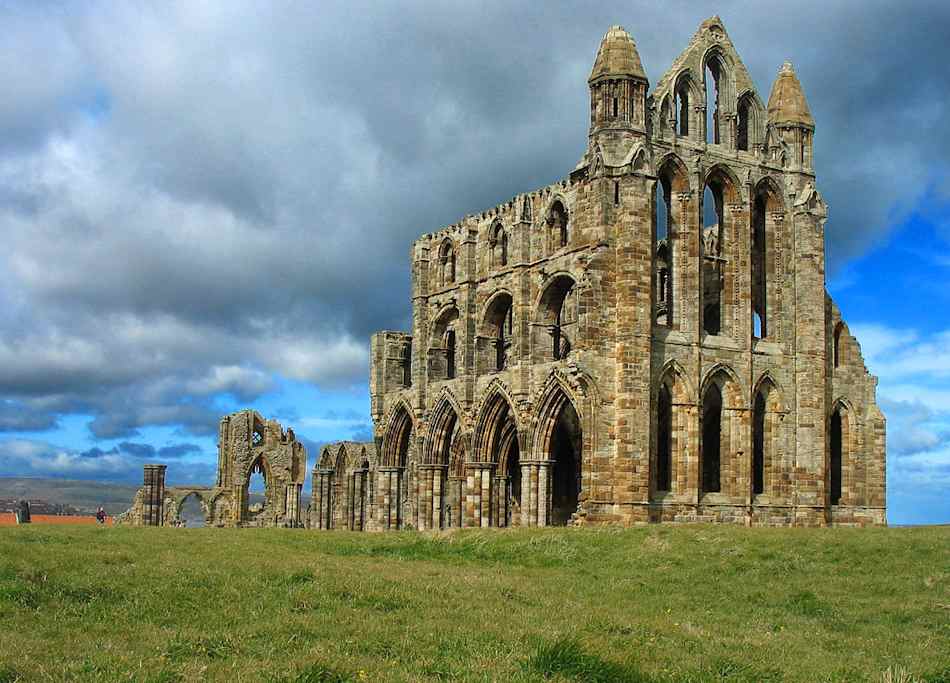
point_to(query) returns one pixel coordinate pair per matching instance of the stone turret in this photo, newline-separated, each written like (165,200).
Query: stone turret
(790,120)
(618,89)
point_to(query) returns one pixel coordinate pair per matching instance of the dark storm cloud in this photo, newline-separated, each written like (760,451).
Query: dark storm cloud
(196,197)
(34,458)
(144,451)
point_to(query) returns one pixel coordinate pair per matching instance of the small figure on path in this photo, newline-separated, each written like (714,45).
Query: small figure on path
(100,515)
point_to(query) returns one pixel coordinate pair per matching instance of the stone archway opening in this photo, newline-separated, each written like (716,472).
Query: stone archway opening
(565,455)
(255,493)
(192,513)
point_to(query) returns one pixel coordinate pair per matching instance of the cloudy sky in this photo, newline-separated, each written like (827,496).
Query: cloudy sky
(208,205)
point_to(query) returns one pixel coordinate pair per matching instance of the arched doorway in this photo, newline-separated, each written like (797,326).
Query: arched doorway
(565,453)
(396,473)
(712,440)
(491,474)
(256,499)
(192,513)
(835,443)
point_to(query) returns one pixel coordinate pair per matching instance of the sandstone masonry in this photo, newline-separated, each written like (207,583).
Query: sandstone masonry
(647,340)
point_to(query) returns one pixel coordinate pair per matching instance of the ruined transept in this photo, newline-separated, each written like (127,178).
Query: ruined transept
(647,340)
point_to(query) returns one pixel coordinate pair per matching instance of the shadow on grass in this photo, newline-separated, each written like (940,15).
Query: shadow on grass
(318,673)
(567,659)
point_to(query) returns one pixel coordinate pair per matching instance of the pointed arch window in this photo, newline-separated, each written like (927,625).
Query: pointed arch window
(558,225)
(759,269)
(681,108)
(713,73)
(557,314)
(447,262)
(450,354)
(499,328)
(712,439)
(836,465)
(499,245)
(744,114)
(837,344)
(664,442)
(758,444)
(713,261)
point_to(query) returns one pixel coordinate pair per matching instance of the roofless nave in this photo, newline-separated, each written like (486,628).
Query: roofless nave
(596,351)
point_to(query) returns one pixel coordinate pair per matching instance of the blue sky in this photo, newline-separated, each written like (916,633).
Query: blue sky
(208,206)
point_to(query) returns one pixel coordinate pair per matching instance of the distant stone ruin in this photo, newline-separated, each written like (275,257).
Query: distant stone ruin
(247,444)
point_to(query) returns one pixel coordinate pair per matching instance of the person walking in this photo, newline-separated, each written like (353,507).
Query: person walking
(100,515)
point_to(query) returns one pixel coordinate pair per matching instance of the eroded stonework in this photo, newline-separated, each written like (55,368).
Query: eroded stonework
(247,443)
(647,340)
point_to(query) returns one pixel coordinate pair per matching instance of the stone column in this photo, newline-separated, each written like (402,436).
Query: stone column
(480,492)
(544,492)
(430,496)
(528,500)
(501,501)
(153,497)
(390,499)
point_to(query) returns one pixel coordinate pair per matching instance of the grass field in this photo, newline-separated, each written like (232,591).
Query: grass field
(649,604)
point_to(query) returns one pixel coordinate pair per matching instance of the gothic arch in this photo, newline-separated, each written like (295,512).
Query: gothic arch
(750,121)
(721,403)
(447,262)
(559,444)
(400,427)
(727,378)
(768,412)
(842,430)
(443,425)
(672,401)
(495,345)
(673,370)
(556,318)
(557,224)
(498,243)
(443,342)
(716,64)
(327,459)
(725,175)
(496,410)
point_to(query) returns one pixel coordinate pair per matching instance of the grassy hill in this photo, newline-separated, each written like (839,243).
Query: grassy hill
(654,604)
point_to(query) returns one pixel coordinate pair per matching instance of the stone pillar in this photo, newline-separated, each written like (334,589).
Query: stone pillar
(390,497)
(22,512)
(480,493)
(153,498)
(811,415)
(501,501)
(528,500)
(544,492)
(536,492)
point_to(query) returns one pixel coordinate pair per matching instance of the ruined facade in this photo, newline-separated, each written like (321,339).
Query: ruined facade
(647,340)
(247,444)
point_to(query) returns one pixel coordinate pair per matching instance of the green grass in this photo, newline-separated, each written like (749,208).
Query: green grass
(655,604)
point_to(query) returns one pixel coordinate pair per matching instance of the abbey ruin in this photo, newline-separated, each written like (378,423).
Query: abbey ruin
(596,351)
(647,340)
(247,444)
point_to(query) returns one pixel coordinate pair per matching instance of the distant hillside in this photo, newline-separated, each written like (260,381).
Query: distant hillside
(83,495)
(86,496)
